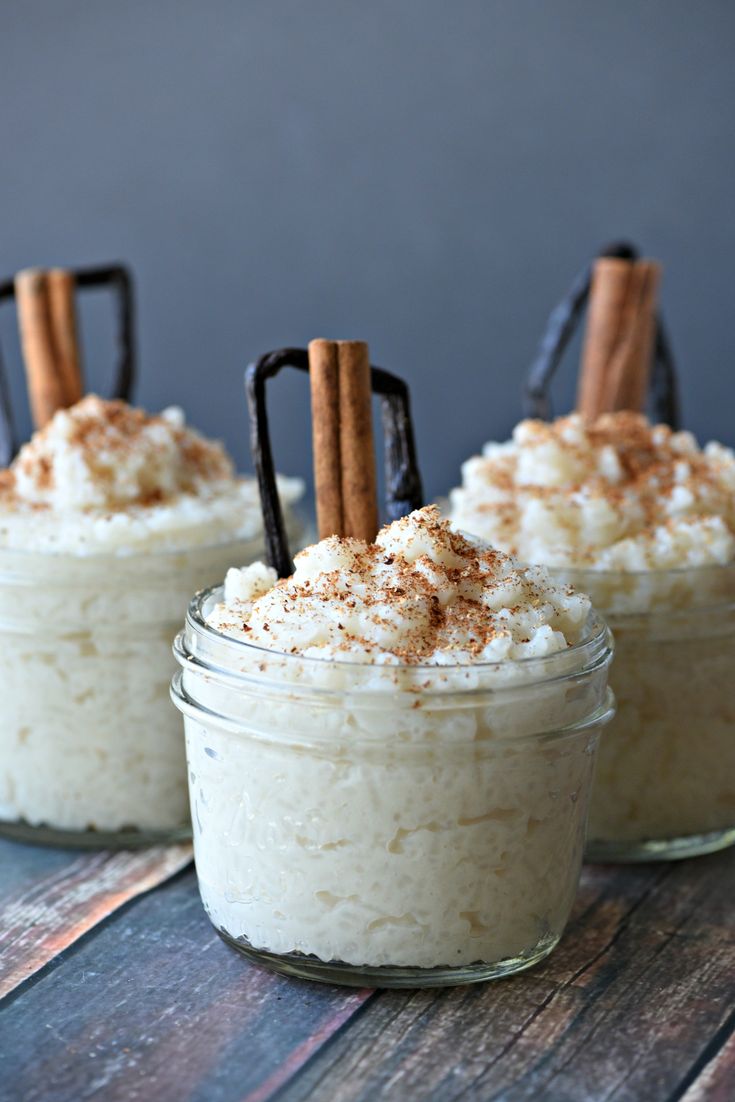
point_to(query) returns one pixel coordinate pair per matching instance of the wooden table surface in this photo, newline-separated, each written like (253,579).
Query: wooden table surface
(116,987)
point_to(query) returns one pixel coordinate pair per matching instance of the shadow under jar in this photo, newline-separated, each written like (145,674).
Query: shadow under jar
(91,752)
(388,825)
(665,781)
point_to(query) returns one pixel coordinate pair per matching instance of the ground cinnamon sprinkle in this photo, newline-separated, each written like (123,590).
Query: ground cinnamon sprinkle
(435,592)
(567,491)
(103,477)
(124,453)
(646,455)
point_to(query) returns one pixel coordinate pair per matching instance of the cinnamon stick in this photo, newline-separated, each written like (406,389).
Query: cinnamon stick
(48,332)
(357,450)
(45,385)
(618,346)
(324,382)
(344,452)
(61,288)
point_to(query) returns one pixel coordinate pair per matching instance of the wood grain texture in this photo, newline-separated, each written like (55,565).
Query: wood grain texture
(626,1008)
(24,864)
(637,1003)
(715,1078)
(155,1006)
(68,894)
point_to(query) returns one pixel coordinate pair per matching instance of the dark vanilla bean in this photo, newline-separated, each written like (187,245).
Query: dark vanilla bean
(403,480)
(561,326)
(8,445)
(116,277)
(119,278)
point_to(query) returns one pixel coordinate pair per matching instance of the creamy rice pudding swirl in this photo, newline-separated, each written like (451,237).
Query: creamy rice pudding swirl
(109,519)
(642,519)
(390,755)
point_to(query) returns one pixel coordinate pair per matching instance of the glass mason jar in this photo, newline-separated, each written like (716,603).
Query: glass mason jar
(91,752)
(665,783)
(388,825)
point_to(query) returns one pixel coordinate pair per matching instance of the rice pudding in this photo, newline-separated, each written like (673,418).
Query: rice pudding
(390,755)
(643,519)
(109,519)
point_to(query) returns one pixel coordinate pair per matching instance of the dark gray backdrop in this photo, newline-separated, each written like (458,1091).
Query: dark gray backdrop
(423,174)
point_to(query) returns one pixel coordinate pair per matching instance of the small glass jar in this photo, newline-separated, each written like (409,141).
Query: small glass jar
(388,825)
(665,783)
(91,752)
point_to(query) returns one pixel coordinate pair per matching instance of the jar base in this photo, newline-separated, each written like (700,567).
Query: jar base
(357,975)
(127,838)
(660,849)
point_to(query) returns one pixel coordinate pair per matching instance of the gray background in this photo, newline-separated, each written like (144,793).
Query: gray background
(422,174)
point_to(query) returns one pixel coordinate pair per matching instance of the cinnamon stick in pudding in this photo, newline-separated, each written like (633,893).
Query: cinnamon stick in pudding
(357,450)
(344,453)
(61,288)
(618,346)
(45,385)
(324,382)
(48,335)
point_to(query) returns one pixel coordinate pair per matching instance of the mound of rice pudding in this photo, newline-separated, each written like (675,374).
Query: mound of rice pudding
(644,520)
(109,518)
(390,755)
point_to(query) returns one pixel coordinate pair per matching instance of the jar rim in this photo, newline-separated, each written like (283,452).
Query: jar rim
(597,717)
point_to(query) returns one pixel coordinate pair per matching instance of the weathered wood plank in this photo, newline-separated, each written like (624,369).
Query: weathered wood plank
(715,1081)
(155,1006)
(637,1002)
(64,894)
(624,1009)
(21,864)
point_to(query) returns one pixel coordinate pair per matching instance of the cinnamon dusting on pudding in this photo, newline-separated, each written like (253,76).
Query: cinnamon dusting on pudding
(103,476)
(107,453)
(614,493)
(420,594)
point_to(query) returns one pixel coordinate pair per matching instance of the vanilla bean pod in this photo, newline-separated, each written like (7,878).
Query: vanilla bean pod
(402,476)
